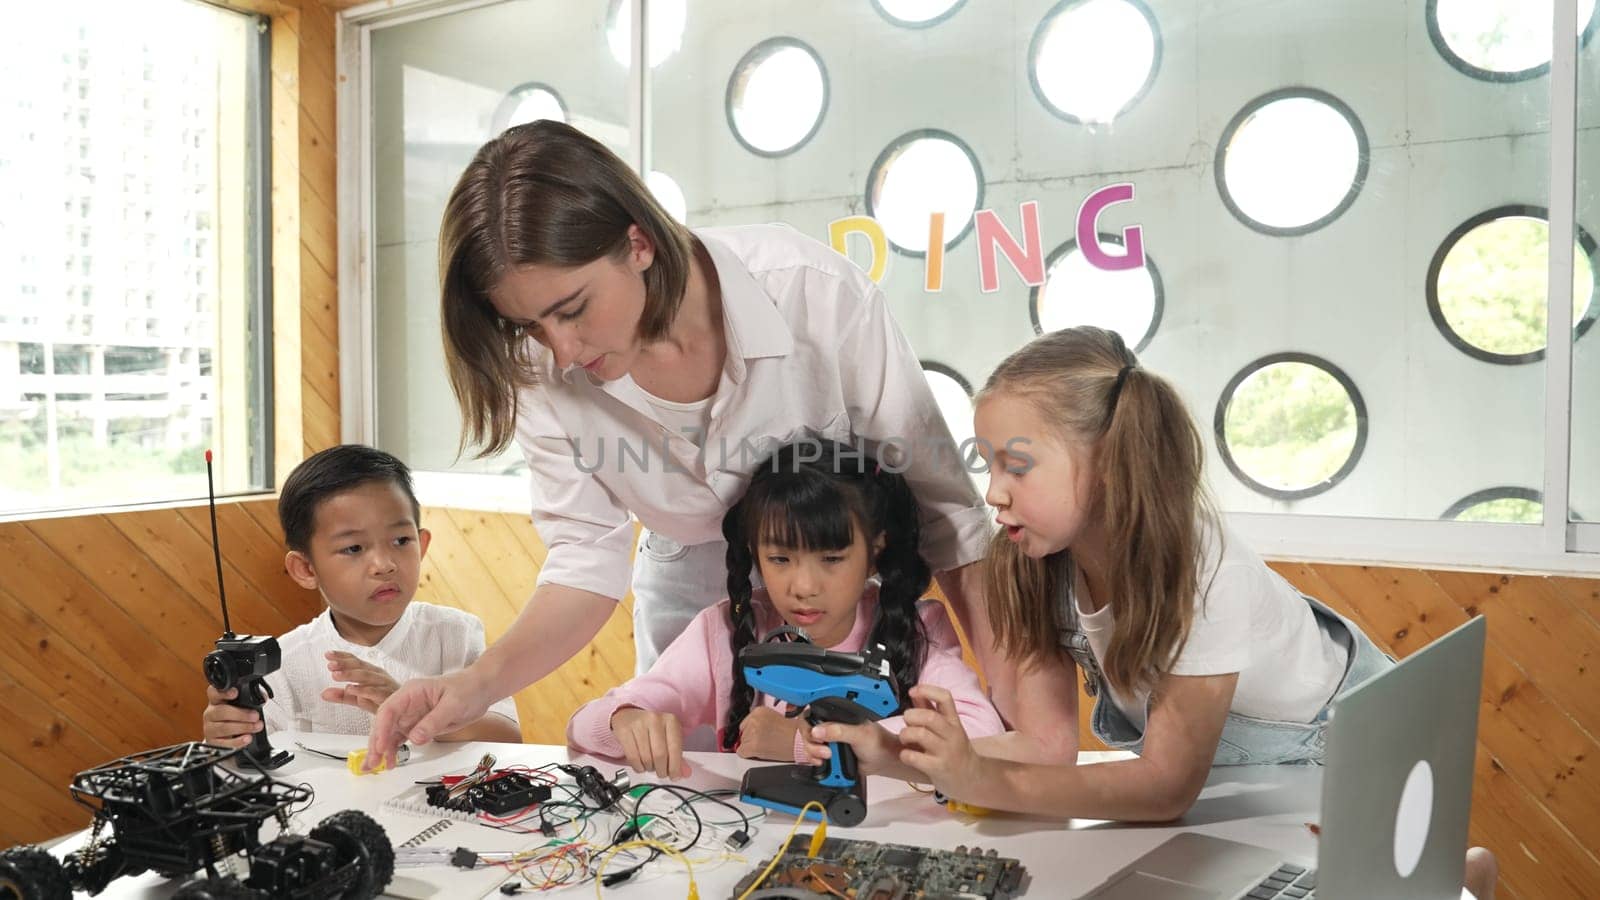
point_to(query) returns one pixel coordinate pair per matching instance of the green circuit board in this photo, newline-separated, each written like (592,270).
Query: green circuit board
(868,870)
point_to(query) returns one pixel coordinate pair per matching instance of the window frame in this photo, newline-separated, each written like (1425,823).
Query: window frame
(260,370)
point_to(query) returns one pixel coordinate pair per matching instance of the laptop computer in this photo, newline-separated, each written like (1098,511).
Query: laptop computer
(1396,794)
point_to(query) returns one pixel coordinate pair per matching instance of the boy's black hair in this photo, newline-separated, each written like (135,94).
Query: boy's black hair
(334,471)
(813,495)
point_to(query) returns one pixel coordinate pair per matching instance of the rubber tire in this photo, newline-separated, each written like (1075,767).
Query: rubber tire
(357,837)
(218,889)
(29,873)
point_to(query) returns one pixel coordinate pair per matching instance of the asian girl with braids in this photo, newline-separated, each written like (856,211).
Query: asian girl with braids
(833,538)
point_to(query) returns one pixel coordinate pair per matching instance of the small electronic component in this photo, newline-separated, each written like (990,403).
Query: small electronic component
(440,796)
(595,786)
(868,870)
(358,758)
(507,792)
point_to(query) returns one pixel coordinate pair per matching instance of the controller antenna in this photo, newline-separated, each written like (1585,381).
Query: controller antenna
(216,551)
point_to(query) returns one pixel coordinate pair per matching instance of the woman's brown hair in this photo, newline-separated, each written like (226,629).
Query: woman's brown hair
(543,193)
(1151,498)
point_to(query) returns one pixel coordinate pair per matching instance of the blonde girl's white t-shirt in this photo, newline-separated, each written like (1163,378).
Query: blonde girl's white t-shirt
(1249,620)
(427,640)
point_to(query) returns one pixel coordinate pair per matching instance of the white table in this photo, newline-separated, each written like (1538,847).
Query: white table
(1268,805)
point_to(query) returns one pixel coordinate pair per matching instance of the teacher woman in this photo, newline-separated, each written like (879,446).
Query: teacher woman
(645,369)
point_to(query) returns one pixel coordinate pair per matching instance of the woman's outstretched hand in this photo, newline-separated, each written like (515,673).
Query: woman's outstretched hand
(421,710)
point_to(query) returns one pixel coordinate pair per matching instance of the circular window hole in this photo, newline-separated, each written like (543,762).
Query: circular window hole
(1075,292)
(1498,40)
(1090,60)
(777,96)
(1291,161)
(1486,285)
(953,393)
(529,103)
(918,174)
(668,194)
(917,13)
(663,33)
(1291,425)
(1511,505)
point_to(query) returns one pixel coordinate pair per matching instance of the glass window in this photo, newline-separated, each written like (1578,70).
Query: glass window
(1127,301)
(1584,443)
(1091,60)
(918,174)
(437,86)
(1497,40)
(135,360)
(1291,425)
(70,359)
(777,96)
(31,358)
(1486,285)
(665,30)
(1512,505)
(529,103)
(91,419)
(1291,161)
(917,13)
(953,392)
(668,194)
(1342,156)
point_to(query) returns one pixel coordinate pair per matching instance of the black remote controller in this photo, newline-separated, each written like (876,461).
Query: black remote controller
(243,661)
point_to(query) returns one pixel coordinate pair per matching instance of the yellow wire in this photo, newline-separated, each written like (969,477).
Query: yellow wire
(694,891)
(784,846)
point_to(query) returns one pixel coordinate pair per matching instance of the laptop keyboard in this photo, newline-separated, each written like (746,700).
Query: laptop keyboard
(1288,881)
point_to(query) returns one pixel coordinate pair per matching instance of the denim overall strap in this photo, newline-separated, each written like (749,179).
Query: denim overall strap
(1106,721)
(1072,639)
(1248,740)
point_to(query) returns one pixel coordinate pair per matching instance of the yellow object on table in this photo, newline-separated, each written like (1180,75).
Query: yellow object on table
(357,757)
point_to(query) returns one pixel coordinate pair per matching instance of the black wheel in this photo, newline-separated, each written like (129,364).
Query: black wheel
(109,864)
(218,889)
(846,810)
(29,873)
(359,839)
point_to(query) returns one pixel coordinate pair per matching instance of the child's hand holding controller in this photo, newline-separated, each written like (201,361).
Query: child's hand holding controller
(366,685)
(226,725)
(768,734)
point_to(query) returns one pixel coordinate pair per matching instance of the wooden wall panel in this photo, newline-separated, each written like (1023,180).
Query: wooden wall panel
(104,620)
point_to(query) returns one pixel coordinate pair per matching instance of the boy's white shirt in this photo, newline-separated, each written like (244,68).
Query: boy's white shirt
(1251,621)
(427,640)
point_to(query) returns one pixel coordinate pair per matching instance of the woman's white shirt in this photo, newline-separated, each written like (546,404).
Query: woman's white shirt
(811,350)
